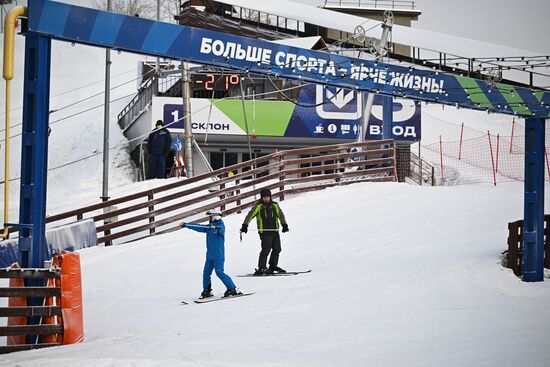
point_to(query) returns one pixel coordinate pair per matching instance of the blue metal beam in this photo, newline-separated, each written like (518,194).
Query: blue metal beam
(533,225)
(132,34)
(34,151)
(50,19)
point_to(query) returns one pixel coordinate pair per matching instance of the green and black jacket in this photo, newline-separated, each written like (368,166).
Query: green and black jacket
(267,216)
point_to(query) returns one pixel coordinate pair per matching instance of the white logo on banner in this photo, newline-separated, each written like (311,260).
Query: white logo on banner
(406,112)
(340,99)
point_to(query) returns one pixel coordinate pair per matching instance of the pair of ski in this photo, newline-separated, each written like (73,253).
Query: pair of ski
(288,273)
(221,298)
(217,298)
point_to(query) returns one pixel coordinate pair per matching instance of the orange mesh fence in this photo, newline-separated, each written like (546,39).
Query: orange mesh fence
(486,159)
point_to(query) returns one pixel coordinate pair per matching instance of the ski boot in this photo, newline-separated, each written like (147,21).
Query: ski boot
(261,271)
(232,292)
(206,293)
(276,269)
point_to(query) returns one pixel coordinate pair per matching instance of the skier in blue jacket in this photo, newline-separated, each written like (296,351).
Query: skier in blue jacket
(215,254)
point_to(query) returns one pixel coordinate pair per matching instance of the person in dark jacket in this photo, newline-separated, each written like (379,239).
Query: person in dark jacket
(268,215)
(215,254)
(158,144)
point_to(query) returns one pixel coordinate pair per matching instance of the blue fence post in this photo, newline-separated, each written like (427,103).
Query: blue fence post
(387,117)
(533,230)
(34,151)
(387,123)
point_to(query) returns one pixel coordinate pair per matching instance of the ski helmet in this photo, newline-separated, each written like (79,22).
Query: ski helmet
(265,193)
(214,214)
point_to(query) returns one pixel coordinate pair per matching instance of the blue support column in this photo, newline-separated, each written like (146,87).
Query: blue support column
(387,122)
(533,225)
(387,113)
(34,151)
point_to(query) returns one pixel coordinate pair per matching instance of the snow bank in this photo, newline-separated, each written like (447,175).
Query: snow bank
(70,237)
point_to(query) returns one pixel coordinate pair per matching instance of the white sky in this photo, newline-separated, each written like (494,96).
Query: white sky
(517,24)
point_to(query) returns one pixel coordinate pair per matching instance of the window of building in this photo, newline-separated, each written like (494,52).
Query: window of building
(231,158)
(314,164)
(223,159)
(216,160)
(246,157)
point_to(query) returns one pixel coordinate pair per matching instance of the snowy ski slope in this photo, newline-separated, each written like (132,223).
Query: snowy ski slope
(402,276)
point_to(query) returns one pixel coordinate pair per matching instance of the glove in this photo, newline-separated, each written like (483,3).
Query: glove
(244,228)
(285,228)
(183,224)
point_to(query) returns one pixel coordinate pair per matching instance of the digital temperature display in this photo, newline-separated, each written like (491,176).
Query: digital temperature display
(215,81)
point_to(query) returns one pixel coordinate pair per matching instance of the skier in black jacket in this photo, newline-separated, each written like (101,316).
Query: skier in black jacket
(268,215)
(158,144)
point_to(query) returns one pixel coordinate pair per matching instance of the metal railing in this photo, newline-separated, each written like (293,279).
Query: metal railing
(262,19)
(421,171)
(386,4)
(138,104)
(410,165)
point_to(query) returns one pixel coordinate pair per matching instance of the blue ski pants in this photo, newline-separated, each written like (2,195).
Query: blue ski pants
(157,166)
(216,265)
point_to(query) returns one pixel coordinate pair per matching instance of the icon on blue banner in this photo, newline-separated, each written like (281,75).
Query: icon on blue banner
(338,113)
(177,144)
(338,103)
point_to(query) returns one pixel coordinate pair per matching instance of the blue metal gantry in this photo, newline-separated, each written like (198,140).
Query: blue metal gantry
(49,20)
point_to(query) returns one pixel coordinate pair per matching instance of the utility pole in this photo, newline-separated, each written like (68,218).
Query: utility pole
(245,119)
(380,52)
(106,113)
(186,95)
(106,119)
(158,59)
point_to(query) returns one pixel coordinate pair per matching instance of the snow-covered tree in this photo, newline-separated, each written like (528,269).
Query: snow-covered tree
(143,8)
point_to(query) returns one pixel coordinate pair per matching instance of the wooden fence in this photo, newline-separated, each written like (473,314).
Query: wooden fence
(160,209)
(514,254)
(21,292)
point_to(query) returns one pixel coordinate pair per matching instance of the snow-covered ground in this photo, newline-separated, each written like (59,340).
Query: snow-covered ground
(402,276)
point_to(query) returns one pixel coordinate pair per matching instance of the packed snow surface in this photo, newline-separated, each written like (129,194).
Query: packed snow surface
(402,276)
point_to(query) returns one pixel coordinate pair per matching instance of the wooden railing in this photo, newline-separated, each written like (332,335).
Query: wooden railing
(514,254)
(22,330)
(160,209)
